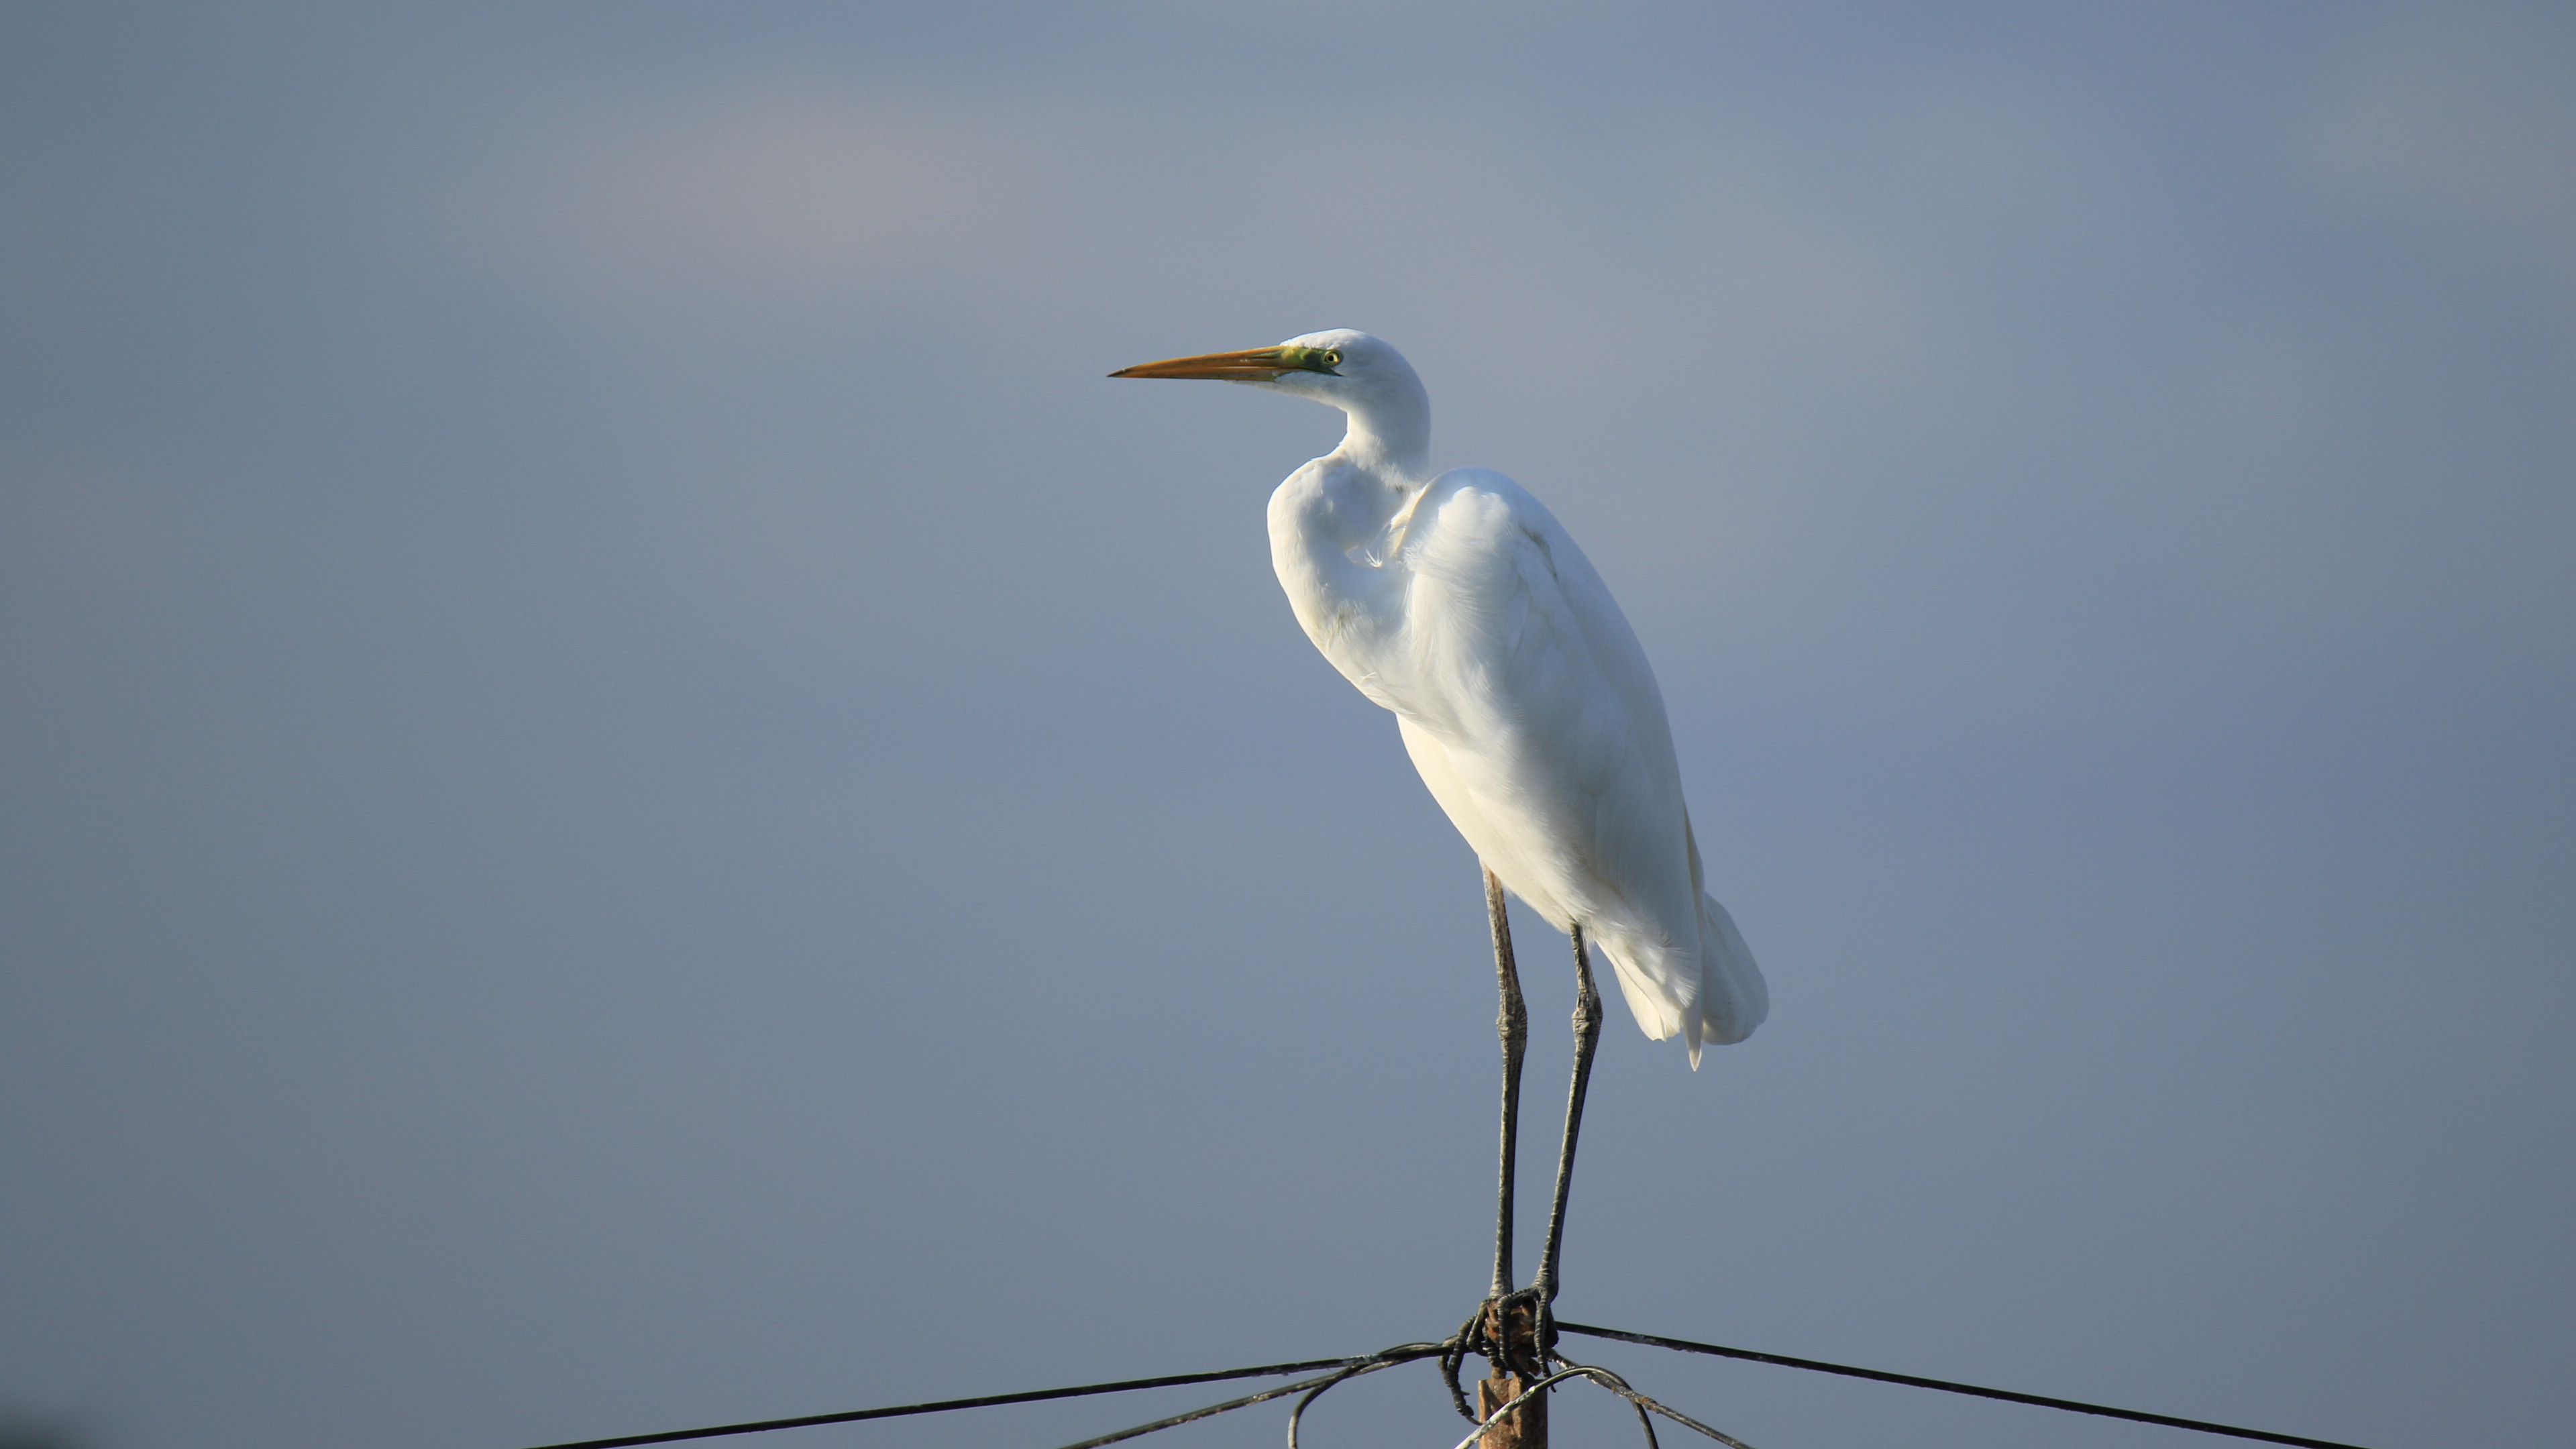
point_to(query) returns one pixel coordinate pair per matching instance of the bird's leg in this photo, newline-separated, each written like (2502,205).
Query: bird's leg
(1587,1034)
(1512,1024)
(1507,1323)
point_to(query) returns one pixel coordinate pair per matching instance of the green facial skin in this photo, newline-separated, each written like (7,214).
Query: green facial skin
(1310,359)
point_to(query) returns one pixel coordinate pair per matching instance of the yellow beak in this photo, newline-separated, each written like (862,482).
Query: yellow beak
(1258,364)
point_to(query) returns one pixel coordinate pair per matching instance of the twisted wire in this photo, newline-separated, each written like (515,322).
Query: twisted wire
(1471,1337)
(1345,1376)
(2072,1406)
(1642,1404)
(1348,1368)
(945,1405)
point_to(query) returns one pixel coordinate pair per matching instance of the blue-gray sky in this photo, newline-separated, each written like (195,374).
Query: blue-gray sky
(632,795)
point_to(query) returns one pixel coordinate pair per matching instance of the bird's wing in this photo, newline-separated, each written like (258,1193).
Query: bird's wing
(1529,706)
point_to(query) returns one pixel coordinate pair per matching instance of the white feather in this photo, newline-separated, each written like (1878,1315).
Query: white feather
(1524,698)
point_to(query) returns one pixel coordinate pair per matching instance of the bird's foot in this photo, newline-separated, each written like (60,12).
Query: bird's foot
(1513,1332)
(1519,1331)
(1499,1331)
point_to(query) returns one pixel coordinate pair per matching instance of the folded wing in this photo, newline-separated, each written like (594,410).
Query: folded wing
(1528,706)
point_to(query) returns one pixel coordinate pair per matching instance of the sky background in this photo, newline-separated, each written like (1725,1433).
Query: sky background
(631,796)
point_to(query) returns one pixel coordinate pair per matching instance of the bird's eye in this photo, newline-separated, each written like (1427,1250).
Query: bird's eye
(1332,359)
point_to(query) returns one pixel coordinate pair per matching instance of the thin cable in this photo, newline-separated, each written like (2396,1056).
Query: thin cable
(1947,1387)
(1210,1411)
(1641,1404)
(1646,1422)
(1336,1381)
(1400,1354)
(944,1405)
(1607,1380)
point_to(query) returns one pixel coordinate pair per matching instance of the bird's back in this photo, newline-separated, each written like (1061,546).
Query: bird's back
(1528,706)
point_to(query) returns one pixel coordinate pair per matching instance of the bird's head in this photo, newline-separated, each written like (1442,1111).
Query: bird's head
(1353,371)
(1340,367)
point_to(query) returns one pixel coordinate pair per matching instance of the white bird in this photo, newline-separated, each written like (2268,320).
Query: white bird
(1462,605)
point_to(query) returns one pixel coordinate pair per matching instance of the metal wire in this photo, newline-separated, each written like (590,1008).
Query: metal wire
(1646,1422)
(1641,1404)
(2072,1406)
(944,1405)
(1470,1338)
(1349,1368)
(1614,1384)
(1321,1389)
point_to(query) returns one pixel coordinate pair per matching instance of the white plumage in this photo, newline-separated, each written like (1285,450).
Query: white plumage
(1461,604)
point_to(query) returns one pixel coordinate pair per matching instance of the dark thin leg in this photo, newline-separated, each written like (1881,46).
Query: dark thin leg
(1513,1026)
(1587,1034)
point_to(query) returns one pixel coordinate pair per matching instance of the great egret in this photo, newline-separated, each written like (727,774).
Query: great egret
(1461,604)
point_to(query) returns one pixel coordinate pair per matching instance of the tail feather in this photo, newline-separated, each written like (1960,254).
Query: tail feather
(1733,999)
(1723,1005)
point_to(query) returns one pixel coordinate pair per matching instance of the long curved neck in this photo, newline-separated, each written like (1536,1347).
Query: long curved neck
(1343,501)
(1389,434)
(1328,534)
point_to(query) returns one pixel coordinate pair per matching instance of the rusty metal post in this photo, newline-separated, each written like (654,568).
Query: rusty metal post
(1514,1333)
